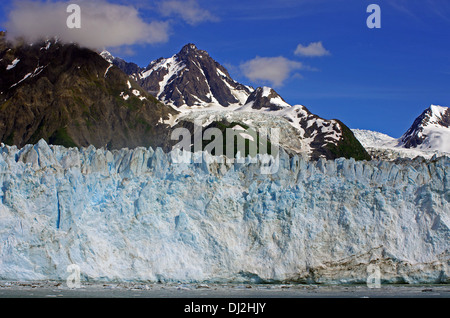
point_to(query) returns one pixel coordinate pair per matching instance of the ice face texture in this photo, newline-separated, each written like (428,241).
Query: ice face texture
(135,215)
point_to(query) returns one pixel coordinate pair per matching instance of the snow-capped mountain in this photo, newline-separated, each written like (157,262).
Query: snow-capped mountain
(429,135)
(73,96)
(192,81)
(430,131)
(191,78)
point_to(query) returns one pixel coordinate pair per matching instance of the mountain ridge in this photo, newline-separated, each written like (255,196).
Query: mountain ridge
(76,97)
(192,80)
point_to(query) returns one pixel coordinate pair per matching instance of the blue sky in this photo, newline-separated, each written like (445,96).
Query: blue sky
(377,79)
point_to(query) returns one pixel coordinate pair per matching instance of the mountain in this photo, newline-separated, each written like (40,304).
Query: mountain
(194,83)
(429,135)
(191,78)
(71,96)
(430,131)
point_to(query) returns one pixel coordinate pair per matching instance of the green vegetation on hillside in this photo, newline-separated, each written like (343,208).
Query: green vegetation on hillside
(348,147)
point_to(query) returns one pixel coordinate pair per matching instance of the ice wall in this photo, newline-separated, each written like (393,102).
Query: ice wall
(134,215)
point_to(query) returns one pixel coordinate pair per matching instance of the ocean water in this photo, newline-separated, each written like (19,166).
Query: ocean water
(60,289)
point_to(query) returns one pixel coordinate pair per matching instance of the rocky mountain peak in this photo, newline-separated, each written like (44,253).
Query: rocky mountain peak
(107,56)
(430,130)
(191,78)
(189,49)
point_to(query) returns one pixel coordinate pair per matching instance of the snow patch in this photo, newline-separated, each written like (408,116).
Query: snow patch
(266,91)
(107,56)
(106,72)
(13,64)
(25,77)
(124,96)
(220,73)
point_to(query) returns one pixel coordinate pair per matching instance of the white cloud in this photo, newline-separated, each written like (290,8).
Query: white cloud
(188,10)
(274,70)
(312,50)
(103,24)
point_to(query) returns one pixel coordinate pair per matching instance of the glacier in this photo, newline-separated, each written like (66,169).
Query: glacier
(135,215)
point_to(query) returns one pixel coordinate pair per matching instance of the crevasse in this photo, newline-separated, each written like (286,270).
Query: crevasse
(134,215)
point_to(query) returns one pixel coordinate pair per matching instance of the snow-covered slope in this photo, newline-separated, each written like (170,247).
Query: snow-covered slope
(135,215)
(369,138)
(300,131)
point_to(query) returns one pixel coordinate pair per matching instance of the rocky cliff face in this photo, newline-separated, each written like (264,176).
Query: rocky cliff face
(73,97)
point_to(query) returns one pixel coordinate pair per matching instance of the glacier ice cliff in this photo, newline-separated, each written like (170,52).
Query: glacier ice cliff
(134,215)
